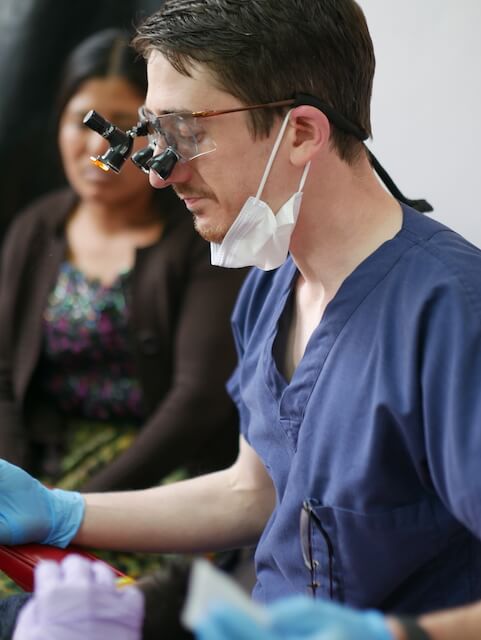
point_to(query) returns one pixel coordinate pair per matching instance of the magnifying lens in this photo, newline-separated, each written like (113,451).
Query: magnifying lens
(164,163)
(121,142)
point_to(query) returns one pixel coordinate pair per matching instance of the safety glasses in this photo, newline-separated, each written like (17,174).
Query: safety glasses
(181,136)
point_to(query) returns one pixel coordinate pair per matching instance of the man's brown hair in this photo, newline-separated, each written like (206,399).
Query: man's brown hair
(266,50)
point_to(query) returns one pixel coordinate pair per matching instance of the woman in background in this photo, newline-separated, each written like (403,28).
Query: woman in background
(115,340)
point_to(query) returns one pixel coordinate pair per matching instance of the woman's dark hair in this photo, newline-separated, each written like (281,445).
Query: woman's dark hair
(104,54)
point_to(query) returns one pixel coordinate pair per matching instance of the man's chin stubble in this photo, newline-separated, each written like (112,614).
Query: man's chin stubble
(209,233)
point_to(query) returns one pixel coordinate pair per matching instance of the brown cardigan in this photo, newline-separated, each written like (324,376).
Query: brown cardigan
(181,341)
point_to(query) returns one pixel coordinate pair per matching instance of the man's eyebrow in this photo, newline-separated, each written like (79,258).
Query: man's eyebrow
(164,112)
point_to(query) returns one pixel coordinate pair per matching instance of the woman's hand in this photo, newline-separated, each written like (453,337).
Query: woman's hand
(79,600)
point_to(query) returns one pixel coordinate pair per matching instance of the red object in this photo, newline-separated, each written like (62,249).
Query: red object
(19,561)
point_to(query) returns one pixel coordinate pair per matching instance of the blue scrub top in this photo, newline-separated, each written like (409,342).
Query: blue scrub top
(378,433)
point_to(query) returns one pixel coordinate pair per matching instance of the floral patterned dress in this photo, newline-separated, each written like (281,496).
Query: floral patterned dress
(88,373)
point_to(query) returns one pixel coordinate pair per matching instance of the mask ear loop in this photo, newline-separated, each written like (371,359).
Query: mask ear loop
(272,157)
(304,176)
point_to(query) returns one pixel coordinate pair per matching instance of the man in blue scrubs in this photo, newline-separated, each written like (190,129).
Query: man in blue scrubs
(359,352)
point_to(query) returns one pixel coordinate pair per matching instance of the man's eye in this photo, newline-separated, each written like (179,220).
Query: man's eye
(183,131)
(191,134)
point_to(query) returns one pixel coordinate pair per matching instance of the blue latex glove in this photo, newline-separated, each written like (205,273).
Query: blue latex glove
(29,512)
(303,617)
(295,618)
(78,600)
(225,622)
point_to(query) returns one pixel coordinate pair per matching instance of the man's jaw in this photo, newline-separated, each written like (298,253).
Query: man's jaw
(200,204)
(211,233)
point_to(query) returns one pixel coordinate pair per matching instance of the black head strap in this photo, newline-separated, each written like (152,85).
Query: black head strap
(347,126)
(420,205)
(333,116)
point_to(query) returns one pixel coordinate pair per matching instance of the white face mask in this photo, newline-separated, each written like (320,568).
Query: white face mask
(257,237)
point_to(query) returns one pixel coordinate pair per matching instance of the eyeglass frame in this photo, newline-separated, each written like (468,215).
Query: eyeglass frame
(148,117)
(299,99)
(209,113)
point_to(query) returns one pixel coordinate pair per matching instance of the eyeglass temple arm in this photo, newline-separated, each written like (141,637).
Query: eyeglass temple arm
(209,114)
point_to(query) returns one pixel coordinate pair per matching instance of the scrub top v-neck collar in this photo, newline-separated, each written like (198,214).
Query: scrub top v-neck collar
(294,395)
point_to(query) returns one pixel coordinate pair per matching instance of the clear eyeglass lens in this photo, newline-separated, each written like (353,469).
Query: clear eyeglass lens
(181,132)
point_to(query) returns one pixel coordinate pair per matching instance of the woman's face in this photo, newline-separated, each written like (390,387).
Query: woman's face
(116,100)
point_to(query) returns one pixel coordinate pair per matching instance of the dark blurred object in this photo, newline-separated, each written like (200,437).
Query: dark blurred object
(165,592)
(35,38)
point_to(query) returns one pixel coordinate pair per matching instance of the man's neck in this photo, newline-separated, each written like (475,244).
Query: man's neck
(345,216)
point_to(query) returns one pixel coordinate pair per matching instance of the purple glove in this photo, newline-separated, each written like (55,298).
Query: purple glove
(79,600)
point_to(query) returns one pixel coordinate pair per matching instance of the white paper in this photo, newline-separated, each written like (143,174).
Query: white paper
(208,586)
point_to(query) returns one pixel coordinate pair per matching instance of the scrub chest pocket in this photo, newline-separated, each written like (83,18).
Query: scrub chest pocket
(352,556)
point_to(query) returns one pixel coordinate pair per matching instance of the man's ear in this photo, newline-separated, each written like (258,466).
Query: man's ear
(309,134)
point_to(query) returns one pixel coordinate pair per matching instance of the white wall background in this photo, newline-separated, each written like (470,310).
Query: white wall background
(427,103)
